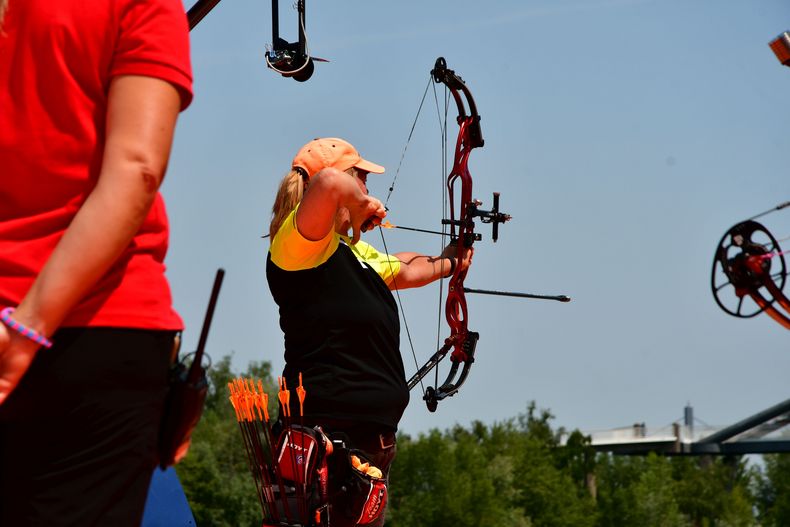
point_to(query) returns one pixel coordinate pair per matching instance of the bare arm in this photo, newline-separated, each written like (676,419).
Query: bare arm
(328,192)
(141,118)
(417,270)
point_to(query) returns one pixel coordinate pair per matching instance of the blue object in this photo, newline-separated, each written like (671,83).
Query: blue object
(167,505)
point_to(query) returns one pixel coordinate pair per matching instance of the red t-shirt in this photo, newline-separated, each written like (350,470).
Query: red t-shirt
(57,58)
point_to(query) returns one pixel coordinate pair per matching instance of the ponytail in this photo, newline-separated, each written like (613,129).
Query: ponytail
(288,197)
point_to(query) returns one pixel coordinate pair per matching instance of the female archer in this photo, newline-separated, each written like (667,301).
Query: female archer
(339,318)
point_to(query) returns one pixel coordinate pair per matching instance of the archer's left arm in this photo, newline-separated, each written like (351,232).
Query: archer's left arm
(417,270)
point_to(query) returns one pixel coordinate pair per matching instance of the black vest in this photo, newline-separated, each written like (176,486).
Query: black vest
(341,329)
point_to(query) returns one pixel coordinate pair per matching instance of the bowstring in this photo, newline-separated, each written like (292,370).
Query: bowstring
(443,134)
(400,305)
(384,243)
(769,211)
(408,140)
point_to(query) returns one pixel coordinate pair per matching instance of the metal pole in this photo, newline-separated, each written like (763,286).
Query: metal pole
(200,10)
(748,423)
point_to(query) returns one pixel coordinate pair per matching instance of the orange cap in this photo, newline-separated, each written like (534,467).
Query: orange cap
(331,152)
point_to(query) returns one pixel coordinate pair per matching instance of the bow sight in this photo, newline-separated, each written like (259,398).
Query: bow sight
(473,210)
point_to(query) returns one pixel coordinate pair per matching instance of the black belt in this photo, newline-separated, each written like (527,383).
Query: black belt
(378,442)
(364,436)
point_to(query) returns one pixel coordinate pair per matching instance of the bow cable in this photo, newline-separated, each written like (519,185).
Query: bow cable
(406,146)
(443,133)
(446,197)
(769,211)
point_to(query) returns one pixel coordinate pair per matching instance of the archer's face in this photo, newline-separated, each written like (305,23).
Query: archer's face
(362,181)
(343,217)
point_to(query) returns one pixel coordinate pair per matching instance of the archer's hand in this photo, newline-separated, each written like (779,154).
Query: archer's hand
(16,354)
(366,214)
(463,258)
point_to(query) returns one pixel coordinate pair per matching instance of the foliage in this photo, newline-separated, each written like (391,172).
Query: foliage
(511,474)
(772,489)
(452,479)
(215,474)
(516,473)
(674,491)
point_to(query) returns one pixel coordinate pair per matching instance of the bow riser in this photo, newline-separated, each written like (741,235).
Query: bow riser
(456,311)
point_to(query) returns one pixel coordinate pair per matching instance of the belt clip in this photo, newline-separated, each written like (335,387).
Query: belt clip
(382,442)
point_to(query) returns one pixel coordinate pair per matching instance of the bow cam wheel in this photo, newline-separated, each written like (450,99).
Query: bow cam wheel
(747,257)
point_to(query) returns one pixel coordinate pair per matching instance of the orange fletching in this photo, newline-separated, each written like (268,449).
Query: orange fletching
(285,397)
(302,393)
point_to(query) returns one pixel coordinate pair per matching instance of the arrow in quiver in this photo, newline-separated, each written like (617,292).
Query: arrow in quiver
(289,470)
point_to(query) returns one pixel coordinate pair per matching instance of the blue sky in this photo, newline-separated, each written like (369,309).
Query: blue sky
(625,138)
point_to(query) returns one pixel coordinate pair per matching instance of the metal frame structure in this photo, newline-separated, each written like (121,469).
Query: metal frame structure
(743,437)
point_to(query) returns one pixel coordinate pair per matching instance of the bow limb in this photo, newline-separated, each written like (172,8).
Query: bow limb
(756,265)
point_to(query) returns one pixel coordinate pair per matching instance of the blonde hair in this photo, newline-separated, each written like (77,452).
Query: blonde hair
(288,197)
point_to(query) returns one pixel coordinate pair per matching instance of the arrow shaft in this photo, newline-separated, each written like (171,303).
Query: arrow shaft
(558,298)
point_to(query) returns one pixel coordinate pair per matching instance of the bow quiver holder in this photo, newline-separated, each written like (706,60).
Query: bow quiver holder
(187,393)
(288,461)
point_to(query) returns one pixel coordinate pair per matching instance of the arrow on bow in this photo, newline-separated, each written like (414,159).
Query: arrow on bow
(753,265)
(461,224)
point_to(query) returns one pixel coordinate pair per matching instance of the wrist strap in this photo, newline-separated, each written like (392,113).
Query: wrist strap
(452,267)
(32,334)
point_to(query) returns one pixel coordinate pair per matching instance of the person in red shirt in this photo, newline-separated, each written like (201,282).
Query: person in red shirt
(91,93)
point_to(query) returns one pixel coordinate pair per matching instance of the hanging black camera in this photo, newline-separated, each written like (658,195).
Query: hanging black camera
(287,60)
(290,59)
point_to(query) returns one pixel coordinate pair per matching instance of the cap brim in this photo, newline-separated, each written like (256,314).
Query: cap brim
(367,166)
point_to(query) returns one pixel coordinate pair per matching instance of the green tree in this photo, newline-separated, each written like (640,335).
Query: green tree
(510,474)
(773,491)
(701,492)
(713,491)
(215,474)
(450,479)
(545,486)
(654,496)
(616,477)
(578,459)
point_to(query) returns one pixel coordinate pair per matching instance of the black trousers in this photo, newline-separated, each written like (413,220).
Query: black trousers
(78,437)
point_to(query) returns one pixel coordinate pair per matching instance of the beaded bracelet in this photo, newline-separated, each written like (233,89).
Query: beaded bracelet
(35,336)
